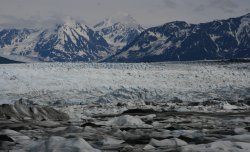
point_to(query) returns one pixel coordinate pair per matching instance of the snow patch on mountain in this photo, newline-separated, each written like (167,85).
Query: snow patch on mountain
(174,41)
(69,41)
(119,30)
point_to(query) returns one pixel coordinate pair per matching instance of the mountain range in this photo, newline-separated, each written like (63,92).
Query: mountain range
(122,39)
(180,41)
(70,41)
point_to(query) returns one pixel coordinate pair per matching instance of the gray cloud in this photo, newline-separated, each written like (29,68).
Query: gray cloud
(228,6)
(146,12)
(16,22)
(200,8)
(170,3)
(34,22)
(247,10)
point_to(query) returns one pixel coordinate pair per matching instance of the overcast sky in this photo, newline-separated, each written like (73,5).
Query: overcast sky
(146,12)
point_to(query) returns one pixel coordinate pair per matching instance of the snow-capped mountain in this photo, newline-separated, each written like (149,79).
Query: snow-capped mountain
(70,41)
(180,41)
(175,41)
(119,30)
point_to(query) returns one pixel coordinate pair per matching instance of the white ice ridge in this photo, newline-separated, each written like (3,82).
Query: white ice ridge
(91,82)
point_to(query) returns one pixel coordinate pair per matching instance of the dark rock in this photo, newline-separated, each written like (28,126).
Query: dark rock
(136,111)
(91,125)
(187,139)
(248,129)
(210,103)
(176,100)
(193,104)
(245,101)
(6,138)
(121,104)
(171,128)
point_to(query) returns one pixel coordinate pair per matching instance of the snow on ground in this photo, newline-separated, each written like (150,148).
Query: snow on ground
(94,82)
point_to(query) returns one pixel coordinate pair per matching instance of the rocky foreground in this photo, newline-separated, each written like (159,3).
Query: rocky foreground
(28,127)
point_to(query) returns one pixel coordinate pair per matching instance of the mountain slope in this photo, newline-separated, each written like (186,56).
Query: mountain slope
(70,41)
(180,41)
(119,31)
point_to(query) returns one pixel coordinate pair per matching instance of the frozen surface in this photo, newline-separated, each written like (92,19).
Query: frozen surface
(218,146)
(192,106)
(127,121)
(60,144)
(108,83)
(168,131)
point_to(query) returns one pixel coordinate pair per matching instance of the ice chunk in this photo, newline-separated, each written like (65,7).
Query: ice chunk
(127,121)
(174,142)
(54,144)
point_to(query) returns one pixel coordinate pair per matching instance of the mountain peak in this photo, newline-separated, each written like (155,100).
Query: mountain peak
(122,18)
(119,30)
(180,41)
(70,21)
(247,15)
(176,23)
(246,18)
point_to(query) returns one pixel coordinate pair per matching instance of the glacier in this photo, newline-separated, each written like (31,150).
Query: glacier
(151,107)
(131,83)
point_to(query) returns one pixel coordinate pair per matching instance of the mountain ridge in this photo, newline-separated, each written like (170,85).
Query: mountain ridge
(124,40)
(71,41)
(180,41)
